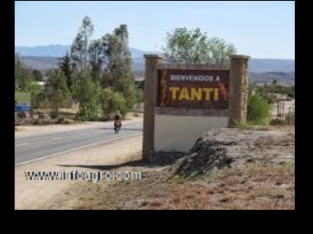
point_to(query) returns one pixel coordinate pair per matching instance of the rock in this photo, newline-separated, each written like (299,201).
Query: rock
(22,122)
(61,120)
(21,115)
(222,148)
(44,116)
(163,158)
(41,122)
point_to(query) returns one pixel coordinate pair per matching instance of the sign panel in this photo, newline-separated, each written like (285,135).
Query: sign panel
(23,102)
(207,89)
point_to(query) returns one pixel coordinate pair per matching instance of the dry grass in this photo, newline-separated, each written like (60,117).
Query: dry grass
(254,188)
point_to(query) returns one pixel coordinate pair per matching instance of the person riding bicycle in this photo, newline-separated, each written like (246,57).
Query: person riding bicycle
(118,119)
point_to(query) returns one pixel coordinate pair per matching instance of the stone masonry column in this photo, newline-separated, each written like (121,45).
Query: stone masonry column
(150,97)
(239,84)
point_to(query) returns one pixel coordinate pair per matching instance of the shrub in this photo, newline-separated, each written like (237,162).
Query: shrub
(259,110)
(111,102)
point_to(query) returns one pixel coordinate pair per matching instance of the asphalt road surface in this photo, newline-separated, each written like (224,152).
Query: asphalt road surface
(33,148)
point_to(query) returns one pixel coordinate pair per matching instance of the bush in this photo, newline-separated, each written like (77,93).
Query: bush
(54,115)
(111,102)
(279,122)
(259,110)
(289,120)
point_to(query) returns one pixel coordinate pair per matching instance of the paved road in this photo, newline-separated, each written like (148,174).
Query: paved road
(39,146)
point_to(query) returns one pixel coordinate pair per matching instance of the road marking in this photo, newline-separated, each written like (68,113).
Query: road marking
(21,145)
(56,139)
(68,137)
(38,142)
(65,129)
(76,149)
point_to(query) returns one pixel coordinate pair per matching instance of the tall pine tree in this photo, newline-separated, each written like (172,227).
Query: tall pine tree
(66,67)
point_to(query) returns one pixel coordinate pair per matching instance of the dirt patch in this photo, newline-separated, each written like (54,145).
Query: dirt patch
(227,170)
(44,194)
(253,188)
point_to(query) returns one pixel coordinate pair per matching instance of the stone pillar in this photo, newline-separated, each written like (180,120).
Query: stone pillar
(239,84)
(150,97)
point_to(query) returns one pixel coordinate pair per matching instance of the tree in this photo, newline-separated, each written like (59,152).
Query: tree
(194,46)
(97,59)
(119,74)
(56,91)
(85,86)
(37,75)
(23,76)
(139,95)
(66,68)
(79,54)
(18,71)
(101,64)
(38,94)
(111,102)
(80,47)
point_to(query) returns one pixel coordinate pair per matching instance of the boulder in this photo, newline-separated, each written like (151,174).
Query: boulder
(236,148)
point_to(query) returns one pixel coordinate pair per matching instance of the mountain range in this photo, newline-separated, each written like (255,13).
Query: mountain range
(59,51)
(46,57)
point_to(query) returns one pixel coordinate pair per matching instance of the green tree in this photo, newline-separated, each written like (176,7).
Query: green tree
(66,67)
(80,46)
(194,46)
(111,102)
(23,76)
(38,94)
(85,86)
(37,75)
(111,53)
(97,60)
(26,80)
(79,55)
(139,95)
(56,91)
(119,75)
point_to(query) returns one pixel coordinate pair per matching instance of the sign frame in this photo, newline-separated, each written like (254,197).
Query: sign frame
(212,86)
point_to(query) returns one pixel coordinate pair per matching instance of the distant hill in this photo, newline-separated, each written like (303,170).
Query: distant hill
(41,63)
(269,77)
(272,65)
(262,70)
(60,51)
(42,51)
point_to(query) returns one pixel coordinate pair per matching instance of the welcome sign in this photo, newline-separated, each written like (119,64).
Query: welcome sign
(194,88)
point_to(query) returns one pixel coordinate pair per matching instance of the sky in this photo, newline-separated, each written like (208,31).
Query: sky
(261,29)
